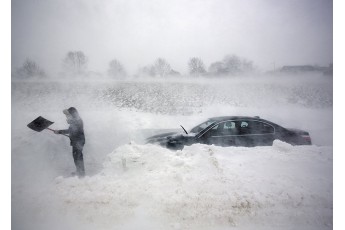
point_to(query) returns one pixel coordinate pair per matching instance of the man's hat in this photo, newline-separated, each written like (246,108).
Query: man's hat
(70,111)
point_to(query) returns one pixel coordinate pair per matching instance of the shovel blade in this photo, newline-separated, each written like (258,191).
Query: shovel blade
(39,124)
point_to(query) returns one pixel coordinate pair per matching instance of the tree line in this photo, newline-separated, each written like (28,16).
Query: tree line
(75,63)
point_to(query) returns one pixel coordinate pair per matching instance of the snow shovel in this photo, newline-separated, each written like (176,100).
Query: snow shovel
(40,123)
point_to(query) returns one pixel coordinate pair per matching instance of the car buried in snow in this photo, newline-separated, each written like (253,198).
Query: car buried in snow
(232,131)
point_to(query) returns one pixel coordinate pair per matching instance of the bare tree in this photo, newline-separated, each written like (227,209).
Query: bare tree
(196,66)
(217,68)
(116,69)
(174,73)
(75,62)
(30,69)
(147,71)
(247,66)
(162,67)
(231,65)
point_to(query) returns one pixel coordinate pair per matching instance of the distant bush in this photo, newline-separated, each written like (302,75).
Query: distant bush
(75,62)
(116,69)
(160,68)
(29,69)
(196,67)
(231,65)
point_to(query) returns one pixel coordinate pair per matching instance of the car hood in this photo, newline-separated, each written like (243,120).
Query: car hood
(165,137)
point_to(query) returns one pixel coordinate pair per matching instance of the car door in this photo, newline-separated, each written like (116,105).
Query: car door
(254,133)
(244,137)
(221,134)
(263,133)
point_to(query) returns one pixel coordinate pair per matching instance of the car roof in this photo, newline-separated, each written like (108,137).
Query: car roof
(224,118)
(233,118)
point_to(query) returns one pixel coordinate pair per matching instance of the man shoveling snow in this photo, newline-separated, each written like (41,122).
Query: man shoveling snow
(77,137)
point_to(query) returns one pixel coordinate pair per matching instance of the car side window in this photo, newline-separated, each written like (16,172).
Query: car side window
(229,128)
(261,128)
(244,124)
(244,127)
(214,131)
(267,128)
(201,126)
(222,129)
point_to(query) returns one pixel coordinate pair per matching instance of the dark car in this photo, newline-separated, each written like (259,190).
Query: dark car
(233,131)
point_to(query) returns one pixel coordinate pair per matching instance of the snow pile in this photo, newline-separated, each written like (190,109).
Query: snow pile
(205,187)
(148,187)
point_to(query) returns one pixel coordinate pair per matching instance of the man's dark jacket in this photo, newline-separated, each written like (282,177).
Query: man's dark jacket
(75,132)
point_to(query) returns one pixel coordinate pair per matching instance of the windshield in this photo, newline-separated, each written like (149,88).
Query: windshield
(201,127)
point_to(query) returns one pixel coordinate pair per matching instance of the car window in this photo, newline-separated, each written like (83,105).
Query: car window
(222,129)
(261,128)
(244,124)
(229,128)
(254,127)
(201,127)
(244,127)
(215,127)
(229,125)
(214,131)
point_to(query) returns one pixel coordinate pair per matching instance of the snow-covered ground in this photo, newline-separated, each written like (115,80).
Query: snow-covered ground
(130,185)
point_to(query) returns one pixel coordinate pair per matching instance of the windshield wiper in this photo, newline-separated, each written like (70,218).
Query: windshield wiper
(184,129)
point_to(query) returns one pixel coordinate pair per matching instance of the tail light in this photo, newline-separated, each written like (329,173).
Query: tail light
(306,138)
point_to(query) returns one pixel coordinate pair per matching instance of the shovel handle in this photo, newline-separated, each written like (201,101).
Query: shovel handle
(60,133)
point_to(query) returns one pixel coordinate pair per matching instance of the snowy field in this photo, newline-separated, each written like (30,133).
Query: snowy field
(130,185)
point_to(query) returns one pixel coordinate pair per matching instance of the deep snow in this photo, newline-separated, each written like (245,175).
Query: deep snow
(204,187)
(131,185)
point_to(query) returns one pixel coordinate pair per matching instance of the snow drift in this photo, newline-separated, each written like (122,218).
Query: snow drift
(140,186)
(203,187)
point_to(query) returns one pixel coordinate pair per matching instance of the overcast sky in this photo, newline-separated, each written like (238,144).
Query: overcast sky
(136,32)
